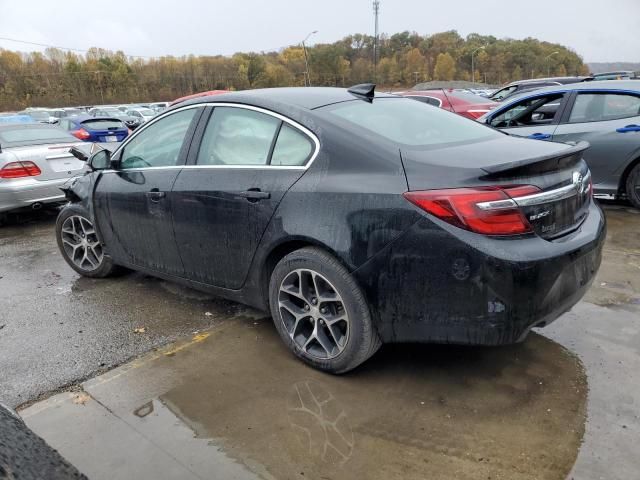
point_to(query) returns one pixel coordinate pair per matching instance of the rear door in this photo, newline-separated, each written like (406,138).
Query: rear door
(245,161)
(535,117)
(133,203)
(610,122)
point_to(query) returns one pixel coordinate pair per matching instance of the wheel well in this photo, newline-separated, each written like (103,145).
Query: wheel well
(277,254)
(623,178)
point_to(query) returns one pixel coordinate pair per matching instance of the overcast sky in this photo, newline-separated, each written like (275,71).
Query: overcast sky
(599,31)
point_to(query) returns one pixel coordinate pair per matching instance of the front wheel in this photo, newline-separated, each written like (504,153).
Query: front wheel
(633,186)
(320,312)
(79,243)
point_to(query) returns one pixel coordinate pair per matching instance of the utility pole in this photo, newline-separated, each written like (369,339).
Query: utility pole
(376,11)
(547,59)
(473,66)
(307,77)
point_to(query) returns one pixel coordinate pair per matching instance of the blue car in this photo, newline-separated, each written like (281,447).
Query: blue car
(91,129)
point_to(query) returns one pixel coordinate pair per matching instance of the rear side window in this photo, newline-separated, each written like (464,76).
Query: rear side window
(238,136)
(410,123)
(600,107)
(102,124)
(293,148)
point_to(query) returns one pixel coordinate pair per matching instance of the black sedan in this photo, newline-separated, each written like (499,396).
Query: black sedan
(355,218)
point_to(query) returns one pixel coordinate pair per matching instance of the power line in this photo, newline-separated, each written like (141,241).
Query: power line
(27,42)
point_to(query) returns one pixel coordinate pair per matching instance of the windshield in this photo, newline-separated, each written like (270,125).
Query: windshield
(406,122)
(38,115)
(147,112)
(34,136)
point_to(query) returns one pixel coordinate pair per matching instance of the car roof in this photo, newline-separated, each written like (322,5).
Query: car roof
(301,97)
(22,126)
(549,79)
(600,85)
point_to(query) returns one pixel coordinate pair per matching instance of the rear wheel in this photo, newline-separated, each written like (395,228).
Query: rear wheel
(633,186)
(79,243)
(320,312)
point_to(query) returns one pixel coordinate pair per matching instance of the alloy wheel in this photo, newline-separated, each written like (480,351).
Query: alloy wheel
(313,314)
(81,244)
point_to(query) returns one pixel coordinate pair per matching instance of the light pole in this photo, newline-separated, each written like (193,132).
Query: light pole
(473,67)
(306,60)
(546,59)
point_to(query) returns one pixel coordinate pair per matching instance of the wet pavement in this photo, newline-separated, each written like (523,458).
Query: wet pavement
(228,400)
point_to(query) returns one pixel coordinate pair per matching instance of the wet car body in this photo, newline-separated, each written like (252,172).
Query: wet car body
(222,230)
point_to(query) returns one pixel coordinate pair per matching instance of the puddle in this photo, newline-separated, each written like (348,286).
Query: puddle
(412,412)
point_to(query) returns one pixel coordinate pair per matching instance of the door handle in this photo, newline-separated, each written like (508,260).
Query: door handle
(629,128)
(155,195)
(540,136)
(254,195)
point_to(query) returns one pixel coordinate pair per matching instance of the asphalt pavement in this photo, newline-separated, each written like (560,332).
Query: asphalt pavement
(216,395)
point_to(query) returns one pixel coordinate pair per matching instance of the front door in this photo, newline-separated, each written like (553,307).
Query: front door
(535,117)
(246,161)
(610,122)
(133,201)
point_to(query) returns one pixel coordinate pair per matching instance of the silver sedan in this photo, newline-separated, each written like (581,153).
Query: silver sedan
(34,163)
(606,114)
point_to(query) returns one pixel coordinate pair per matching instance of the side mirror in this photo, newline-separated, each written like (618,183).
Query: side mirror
(101,160)
(79,154)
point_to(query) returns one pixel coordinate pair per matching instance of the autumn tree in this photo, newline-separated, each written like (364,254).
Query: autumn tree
(445,68)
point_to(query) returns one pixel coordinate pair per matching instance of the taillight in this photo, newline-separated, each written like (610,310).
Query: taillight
(81,133)
(19,170)
(486,210)
(476,114)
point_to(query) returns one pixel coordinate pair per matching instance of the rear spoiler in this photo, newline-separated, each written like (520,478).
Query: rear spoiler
(541,163)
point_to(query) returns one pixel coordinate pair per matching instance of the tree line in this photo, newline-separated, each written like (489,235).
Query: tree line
(63,78)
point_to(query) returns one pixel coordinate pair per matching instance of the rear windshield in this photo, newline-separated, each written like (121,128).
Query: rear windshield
(411,123)
(146,111)
(33,136)
(102,124)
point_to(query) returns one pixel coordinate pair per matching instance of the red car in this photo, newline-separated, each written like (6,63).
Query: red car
(463,103)
(196,95)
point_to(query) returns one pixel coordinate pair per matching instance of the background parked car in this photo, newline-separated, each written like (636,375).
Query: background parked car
(463,103)
(34,163)
(159,106)
(112,112)
(142,114)
(39,115)
(95,129)
(605,114)
(515,88)
(618,75)
(196,95)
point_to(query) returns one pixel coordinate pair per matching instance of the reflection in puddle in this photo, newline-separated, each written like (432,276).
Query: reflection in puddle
(412,412)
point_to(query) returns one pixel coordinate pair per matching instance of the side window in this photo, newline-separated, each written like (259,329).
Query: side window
(159,144)
(529,112)
(293,148)
(600,107)
(237,136)
(503,93)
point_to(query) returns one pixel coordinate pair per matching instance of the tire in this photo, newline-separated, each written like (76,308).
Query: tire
(82,249)
(633,186)
(335,334)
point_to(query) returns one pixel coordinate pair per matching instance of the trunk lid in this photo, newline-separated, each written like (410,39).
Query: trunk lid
(557,170)
(54,161)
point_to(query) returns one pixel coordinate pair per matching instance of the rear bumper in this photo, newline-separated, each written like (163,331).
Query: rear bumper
(441,284)
(26,192)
